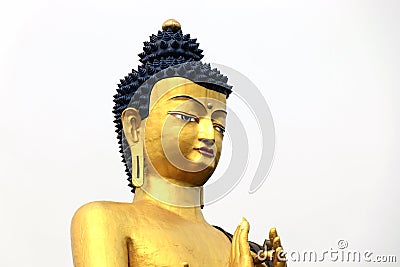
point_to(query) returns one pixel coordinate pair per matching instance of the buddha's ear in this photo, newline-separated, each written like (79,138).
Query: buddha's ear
(131,121)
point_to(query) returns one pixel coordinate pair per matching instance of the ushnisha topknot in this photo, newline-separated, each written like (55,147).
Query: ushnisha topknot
(168,54)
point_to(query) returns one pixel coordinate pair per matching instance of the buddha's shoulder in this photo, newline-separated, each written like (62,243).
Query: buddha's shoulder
(106,211)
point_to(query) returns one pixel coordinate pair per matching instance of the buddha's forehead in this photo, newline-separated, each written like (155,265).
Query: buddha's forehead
(171,88)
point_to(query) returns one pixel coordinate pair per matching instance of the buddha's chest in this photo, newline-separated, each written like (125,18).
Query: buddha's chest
(171,244)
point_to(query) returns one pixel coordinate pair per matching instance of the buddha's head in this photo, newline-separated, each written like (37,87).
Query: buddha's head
(171,113)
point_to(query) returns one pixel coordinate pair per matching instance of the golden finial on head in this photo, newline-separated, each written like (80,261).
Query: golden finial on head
(174,25)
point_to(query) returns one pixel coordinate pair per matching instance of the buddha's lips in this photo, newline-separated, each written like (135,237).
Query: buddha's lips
(209,152)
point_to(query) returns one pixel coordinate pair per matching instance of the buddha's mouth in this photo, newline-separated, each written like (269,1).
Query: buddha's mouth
(206,151)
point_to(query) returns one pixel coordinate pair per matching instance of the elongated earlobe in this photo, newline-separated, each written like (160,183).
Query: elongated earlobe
(137,163)
(131,121)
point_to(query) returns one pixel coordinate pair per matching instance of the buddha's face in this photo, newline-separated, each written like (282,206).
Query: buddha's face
(184,130)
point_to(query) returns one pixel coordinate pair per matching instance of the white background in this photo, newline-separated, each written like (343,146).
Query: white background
(329,71)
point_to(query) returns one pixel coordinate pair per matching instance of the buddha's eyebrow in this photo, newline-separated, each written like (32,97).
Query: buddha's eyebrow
(221,110)
(189,97)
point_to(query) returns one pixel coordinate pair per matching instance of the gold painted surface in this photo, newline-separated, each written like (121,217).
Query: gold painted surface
(164,225)
(171,23)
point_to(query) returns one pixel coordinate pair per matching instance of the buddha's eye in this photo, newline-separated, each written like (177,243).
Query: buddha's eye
(183,117)
(219,128)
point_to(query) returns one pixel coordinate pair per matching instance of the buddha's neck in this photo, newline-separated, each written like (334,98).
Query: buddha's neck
(181,200)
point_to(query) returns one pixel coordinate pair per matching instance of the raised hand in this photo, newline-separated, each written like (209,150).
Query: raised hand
(240,251)
(278,258)
(243,257)
(273,250)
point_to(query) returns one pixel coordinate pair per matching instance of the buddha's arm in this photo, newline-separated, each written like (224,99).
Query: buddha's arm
(96,241)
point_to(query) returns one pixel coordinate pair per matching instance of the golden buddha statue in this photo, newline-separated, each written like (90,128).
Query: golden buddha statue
(170,119)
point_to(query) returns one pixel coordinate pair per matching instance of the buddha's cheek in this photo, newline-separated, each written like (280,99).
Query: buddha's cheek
(188,142)
(218,145)
(154,148)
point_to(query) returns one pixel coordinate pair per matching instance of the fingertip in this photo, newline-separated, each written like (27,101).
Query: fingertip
(244,225)
(272,233)
(247,226)
(276,242)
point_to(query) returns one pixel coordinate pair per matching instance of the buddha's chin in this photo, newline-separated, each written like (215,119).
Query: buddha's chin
(192,171)
(194,178)
(201,165)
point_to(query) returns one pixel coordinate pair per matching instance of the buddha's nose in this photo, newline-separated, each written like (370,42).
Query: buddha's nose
(206,131)
(208,142)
